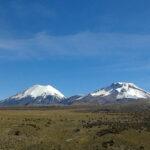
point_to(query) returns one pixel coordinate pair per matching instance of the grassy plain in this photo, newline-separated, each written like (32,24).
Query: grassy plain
(74,128)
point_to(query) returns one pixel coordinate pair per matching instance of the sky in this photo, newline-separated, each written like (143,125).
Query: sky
(77,46)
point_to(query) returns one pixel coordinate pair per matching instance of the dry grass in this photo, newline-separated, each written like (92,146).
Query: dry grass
(66,129)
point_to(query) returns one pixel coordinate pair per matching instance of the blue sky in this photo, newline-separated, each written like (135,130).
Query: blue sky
(77,46)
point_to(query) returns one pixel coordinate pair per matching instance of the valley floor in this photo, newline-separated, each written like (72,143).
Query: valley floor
(74,129)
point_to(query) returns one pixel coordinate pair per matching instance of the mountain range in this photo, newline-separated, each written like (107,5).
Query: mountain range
(45,95)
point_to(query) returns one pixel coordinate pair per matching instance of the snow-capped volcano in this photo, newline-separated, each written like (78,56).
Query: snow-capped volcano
(39,90)
(37,94)
(119,91)
(123,90)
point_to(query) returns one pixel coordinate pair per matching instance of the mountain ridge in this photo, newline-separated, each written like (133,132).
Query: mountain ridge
(116,92)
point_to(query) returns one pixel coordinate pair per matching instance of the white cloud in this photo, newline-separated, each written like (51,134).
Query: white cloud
(81,44)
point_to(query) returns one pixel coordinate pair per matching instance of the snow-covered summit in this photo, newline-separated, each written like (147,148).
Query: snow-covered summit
(123,90)
(39,90)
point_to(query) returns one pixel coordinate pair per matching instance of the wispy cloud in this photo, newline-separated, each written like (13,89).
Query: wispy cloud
(125,67)
(29,9)
(43,45)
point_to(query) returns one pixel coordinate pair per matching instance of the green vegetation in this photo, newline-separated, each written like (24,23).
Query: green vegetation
(74,129)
